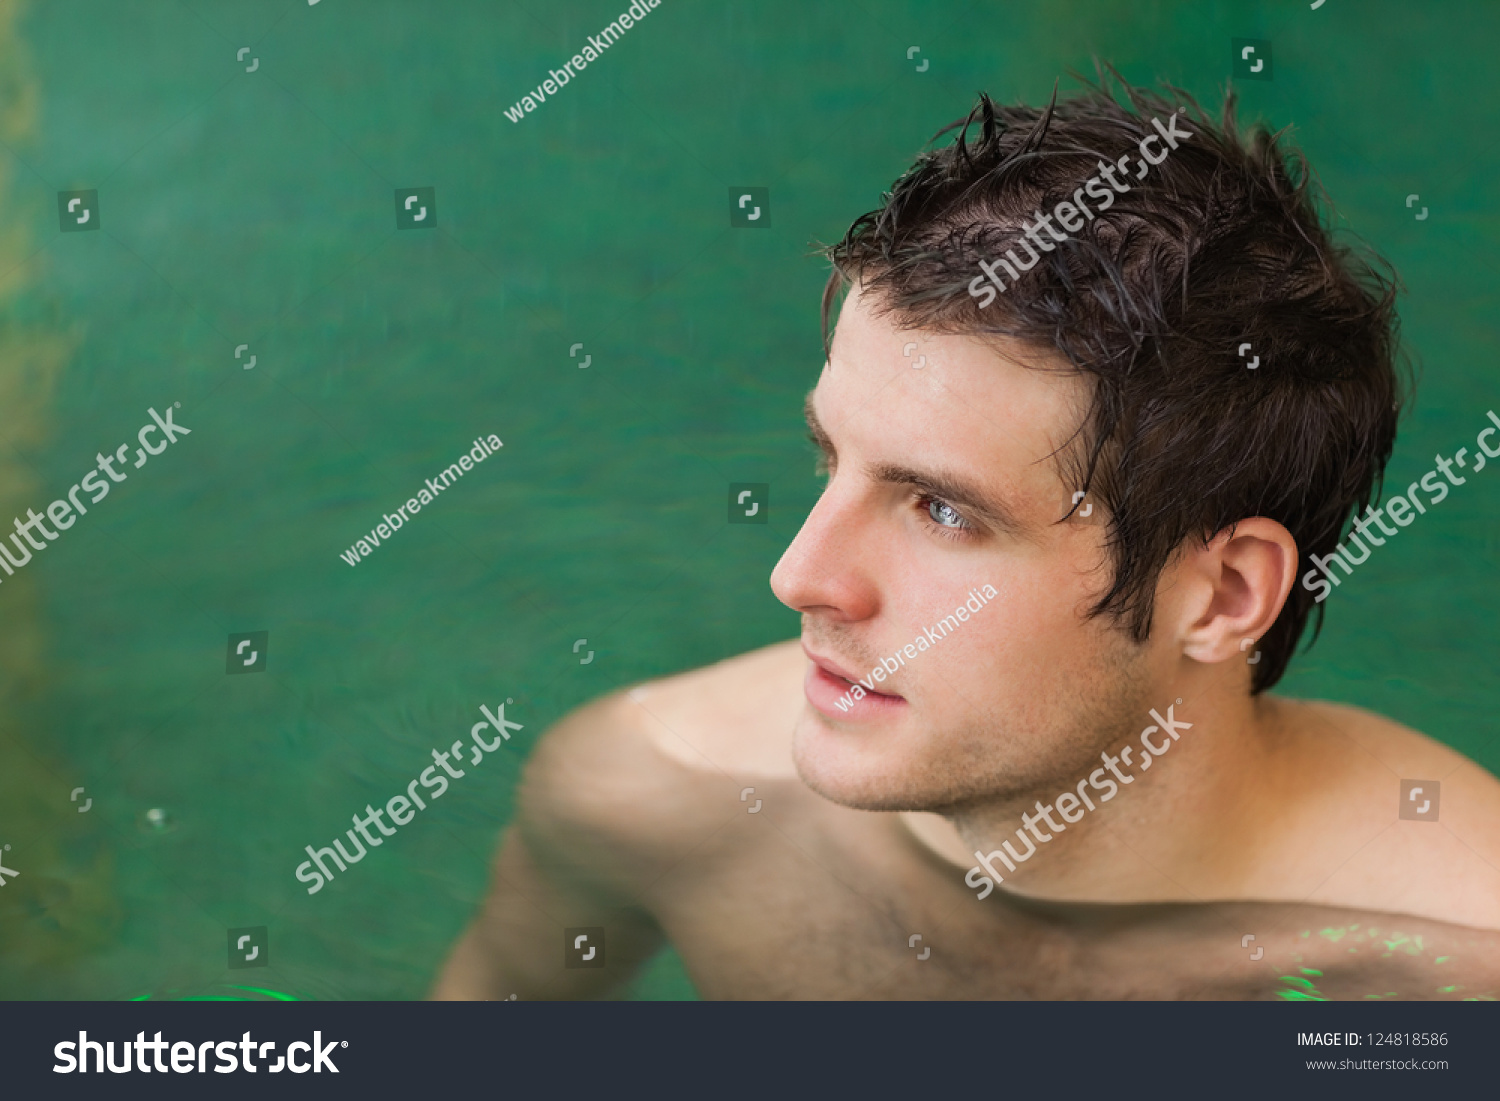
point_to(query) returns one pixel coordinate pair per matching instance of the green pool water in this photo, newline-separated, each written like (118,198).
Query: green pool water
(260,208)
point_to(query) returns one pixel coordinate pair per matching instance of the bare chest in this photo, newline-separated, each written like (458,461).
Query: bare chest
(808,906)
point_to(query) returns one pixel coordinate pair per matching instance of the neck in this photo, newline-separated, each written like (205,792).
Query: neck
(1156,816)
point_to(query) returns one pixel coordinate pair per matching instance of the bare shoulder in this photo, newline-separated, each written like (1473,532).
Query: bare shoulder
(1403,822)
(642,767)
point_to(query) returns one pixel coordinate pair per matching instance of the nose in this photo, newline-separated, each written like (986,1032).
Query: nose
(824,570)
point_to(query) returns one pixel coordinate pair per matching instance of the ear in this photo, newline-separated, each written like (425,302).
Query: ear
(1233,589)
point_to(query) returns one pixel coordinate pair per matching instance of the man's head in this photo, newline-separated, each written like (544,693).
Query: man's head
(1149,490)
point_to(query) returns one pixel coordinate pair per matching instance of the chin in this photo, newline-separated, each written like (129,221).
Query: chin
(852,770)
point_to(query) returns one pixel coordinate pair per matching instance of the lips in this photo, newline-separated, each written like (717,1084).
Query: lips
(830,666)
(869,691)
(828,684)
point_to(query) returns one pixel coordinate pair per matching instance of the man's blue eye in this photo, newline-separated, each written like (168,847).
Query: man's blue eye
(946,515)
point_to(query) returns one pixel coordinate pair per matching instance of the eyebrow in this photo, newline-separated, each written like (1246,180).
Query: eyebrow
(947,487)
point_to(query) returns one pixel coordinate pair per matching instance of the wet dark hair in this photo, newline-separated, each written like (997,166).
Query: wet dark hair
(1223,242)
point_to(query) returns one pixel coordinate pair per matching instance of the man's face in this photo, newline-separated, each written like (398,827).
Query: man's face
(943,482)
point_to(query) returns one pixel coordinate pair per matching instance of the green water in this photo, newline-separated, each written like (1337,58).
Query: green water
(258,208)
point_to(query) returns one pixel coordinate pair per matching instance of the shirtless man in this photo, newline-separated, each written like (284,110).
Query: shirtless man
(1076,535)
